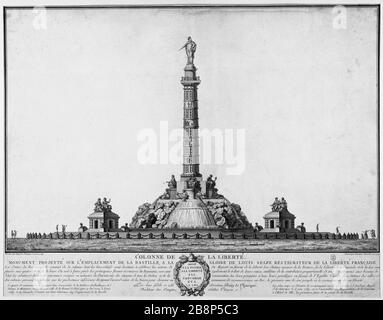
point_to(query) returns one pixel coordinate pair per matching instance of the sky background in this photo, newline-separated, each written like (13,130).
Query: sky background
(81,90)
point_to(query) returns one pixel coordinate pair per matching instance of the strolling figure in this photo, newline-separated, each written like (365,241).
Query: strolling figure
(302,227)
(258,227)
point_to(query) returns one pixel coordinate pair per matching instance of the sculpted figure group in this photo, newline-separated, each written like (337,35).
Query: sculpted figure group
(278,205)
(210,182)
(103,206)
(194,184)
(172,183)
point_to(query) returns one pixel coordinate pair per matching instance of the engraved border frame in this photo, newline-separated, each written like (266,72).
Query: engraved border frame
(191,6)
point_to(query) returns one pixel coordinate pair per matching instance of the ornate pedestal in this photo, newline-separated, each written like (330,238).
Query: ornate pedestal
(172,192)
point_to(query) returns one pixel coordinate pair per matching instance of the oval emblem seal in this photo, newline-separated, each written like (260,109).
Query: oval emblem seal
(192,275)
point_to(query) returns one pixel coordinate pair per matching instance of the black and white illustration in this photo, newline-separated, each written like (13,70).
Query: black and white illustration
(230,129)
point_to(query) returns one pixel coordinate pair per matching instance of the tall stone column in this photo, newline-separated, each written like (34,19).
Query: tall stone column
(190,83)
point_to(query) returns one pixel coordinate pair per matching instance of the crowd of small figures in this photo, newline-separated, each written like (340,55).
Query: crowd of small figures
(225,235)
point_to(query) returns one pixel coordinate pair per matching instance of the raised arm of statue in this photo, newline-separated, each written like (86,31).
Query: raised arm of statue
(183,46)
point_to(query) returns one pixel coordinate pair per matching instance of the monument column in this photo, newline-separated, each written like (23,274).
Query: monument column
(190,82)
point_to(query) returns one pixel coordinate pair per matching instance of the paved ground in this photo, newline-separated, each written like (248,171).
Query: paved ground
(180,245)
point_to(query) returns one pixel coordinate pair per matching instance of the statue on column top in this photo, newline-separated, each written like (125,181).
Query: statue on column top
(190,47)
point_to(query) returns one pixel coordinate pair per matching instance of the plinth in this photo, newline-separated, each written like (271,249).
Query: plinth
(191,213)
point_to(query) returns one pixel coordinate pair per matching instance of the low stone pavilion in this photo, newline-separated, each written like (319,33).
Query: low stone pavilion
(103,219)
(279,219)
